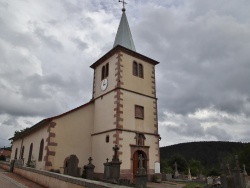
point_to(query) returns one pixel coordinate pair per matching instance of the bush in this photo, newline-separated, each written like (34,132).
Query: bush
(2,158)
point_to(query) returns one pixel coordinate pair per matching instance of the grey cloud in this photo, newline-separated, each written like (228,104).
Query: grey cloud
(11,121)
(80,44)
(203,60)
(4,5)
(190,128)
(49,40)
(15,38)
(218,133)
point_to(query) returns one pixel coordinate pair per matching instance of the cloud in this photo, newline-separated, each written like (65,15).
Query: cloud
(219,134)
(203,91)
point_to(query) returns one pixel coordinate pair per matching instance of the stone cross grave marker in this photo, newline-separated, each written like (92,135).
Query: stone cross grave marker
(209,180)
(90,160)
(115,157)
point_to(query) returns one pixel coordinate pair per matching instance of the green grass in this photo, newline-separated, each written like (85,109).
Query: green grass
(193,185)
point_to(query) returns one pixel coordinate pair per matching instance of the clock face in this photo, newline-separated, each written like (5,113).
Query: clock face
(104,84)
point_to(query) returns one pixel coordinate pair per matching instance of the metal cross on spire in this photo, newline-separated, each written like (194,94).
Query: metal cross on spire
(123,4)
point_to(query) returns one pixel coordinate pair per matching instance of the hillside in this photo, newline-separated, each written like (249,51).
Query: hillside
(208,153)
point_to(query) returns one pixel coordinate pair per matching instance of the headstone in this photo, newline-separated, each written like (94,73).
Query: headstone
(89,169)
(71,166)
(106,169)
(245,175)
(223,177)
(169,176)
(114,165)
(200,176)
(209,180)
(141,175)
(189,175)
(237,175)
(176,173)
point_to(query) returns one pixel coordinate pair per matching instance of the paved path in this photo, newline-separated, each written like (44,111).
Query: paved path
(8,182)
(11,180)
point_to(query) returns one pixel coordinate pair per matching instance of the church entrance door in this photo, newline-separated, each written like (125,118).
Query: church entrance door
(71,166)
(136,161)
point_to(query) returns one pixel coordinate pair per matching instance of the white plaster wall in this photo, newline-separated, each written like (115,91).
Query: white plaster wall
(73,136)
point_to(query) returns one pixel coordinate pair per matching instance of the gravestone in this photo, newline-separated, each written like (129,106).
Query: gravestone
(89,169)
(189,175)
(169,176)
(141,175)
(238,176)
(245,174)
(200,176)
(115,165)
(106,169)
(223,177)
(233,180)
(209,180)
(71,166)
(176,173)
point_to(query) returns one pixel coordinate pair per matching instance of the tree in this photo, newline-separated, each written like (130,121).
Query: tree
(2,158)
(244,156)
(195,167)
(20,131)
(181,162)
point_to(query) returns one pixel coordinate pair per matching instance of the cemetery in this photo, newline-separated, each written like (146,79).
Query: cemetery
(230,177)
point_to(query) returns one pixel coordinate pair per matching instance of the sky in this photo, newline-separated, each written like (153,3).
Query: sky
(203,79)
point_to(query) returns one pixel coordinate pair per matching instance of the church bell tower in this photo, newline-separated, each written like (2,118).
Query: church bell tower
(125,106)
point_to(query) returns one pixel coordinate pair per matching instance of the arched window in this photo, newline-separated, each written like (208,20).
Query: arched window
(16,153)
(140,71)
(103,72)
(22,152)
(107,139)
(135,69)
(40,157)
(30,152)
(107,69)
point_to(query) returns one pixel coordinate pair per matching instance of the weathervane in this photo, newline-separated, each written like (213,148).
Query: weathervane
(123,4)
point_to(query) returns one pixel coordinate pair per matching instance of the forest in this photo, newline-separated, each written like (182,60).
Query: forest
(204,157)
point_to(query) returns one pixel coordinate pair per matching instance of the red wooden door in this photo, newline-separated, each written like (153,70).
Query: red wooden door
(136,162)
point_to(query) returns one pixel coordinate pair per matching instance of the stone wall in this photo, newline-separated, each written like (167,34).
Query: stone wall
(54,180)
(5,165)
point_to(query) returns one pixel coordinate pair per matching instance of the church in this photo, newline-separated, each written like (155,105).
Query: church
(122,112)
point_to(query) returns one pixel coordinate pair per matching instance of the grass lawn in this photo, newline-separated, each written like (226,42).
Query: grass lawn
(193,185)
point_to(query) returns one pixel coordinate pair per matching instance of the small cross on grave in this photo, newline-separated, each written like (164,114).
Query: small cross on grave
(175,166)
(228,168)
(237,167)
(115,157)
(107,160)
(90,160)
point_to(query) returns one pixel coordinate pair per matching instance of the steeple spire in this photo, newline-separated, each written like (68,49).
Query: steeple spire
(123,35)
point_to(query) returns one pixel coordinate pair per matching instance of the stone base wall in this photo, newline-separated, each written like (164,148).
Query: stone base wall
(5,165)
(56,180)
